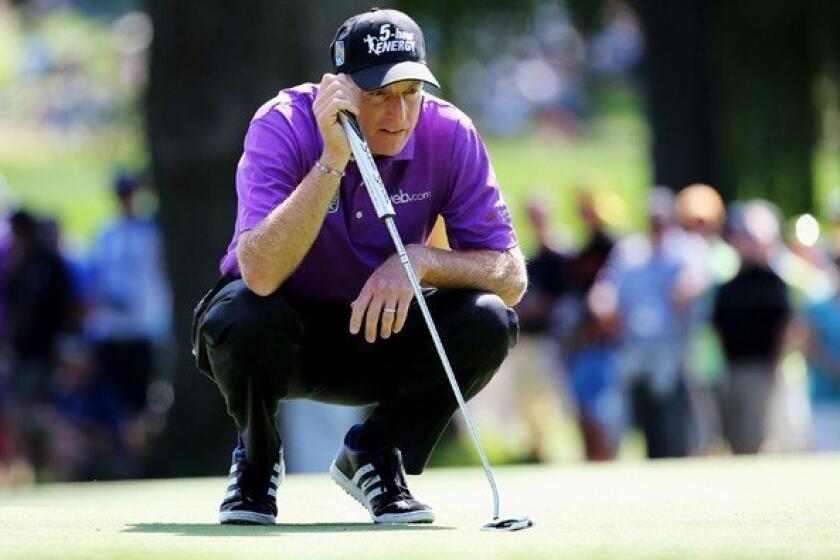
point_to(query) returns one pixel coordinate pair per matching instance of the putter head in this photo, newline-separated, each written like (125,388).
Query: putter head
(509,524)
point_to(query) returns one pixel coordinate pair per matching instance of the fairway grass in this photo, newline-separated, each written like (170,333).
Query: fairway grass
(783,507)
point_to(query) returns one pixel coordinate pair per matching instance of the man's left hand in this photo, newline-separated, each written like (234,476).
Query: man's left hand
(386,296)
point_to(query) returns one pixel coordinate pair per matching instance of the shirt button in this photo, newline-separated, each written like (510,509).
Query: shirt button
(359,215)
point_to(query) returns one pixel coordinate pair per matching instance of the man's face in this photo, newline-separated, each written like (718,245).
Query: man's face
(388,116)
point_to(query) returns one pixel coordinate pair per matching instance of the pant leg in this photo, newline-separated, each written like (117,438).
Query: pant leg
(249,345)
(477,329)
(262,350)
(747,401)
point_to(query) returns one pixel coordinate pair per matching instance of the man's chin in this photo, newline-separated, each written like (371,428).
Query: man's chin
(386,151)
(387,148)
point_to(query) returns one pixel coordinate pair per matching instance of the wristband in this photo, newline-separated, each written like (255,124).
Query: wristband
(327,170)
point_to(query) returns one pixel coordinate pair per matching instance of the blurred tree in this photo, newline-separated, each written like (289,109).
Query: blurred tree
(446,23)
(730,91)
(676,69)
(212,65)
(764,65)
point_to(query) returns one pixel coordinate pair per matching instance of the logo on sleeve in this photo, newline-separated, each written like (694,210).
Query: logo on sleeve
(500,212)
(390,39)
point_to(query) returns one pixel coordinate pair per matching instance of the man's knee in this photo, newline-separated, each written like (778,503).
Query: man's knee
(495,322)
(246,323)
(493,327)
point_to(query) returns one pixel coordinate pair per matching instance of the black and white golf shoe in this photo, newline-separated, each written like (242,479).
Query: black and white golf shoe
(251,497)
(377,481)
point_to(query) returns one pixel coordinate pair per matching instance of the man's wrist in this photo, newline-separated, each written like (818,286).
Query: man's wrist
(327,170)
(419,256)
(334,161)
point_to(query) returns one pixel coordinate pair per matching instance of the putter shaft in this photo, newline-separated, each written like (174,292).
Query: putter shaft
(424,308)
(385,212)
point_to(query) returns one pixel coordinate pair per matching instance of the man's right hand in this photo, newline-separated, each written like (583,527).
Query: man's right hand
(336,93)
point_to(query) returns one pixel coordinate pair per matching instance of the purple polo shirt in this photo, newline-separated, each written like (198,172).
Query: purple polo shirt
(443,170)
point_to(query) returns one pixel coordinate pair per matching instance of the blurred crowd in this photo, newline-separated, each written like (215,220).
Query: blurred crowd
(519,74)
(717,330)
(82,347)
(714,330)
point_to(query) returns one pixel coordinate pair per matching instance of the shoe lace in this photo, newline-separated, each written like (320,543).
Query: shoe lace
(241,466)
(247,486)
(389,467)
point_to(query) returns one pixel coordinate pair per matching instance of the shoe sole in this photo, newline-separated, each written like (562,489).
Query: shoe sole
(420,516)
(245,518)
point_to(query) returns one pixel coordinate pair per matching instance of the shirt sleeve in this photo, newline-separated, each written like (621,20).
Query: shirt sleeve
(474,211)
(268,171)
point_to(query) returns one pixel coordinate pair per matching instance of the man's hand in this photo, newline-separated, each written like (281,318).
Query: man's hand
(336,93)
(385,297)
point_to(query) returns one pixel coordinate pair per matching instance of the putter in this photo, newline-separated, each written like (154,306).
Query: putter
(385,212)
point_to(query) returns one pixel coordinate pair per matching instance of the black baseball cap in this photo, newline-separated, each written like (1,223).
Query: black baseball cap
(380,47)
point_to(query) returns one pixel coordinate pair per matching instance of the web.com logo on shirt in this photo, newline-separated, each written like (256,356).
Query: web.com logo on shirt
(403,197)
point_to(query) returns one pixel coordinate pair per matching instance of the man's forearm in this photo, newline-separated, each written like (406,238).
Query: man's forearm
(269,253)
(500,272)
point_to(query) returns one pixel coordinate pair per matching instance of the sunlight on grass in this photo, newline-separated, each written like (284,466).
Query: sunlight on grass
(756,507)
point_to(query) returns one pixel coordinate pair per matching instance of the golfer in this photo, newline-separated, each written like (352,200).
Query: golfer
(312,301)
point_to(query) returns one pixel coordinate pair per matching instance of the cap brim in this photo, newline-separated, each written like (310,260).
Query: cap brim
(376,77)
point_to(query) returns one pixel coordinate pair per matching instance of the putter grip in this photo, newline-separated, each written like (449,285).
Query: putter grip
(367,167)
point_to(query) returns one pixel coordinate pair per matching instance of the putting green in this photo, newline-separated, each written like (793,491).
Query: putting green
(781,507)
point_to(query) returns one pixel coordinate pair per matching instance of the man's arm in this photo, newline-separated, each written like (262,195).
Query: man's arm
(269,253)
(387,293)
(500,272)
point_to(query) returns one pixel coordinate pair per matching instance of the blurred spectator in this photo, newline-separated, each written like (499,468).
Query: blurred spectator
(588,347)
(546,274)
(5,255)
(834,217)
(38,300)
(751,312)
(808,267)
(50,235)
(533,369)
(647,289)
(822,351)
(131,302)
(700,210)
(86,420)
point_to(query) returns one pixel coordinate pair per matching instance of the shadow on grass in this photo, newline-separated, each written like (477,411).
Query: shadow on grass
(216,530)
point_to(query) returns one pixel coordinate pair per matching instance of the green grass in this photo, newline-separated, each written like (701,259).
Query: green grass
(69,180)
(610,159)
(766,508)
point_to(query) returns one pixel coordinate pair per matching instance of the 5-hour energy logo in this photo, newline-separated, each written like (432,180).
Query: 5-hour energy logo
(390,39)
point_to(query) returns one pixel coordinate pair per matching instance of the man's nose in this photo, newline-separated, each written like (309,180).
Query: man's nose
(396,107)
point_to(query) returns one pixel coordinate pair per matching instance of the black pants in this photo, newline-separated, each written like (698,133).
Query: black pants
(662,418)
(261,350)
